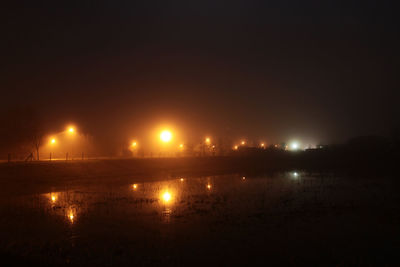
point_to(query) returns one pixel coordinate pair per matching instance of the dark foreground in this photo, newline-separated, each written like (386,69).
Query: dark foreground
(80,214)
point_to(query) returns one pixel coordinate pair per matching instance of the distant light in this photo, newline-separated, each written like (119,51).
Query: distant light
(243,178)
(166,196)
(71,216)
(71,130)
(294,146)
(262,144)
(181,146)
(235,147)
(53,141)
(182,179)
(134,186)
(53,197)
(295,174)
(243,143)
(134,144)
(275,145)
(208,140)
(209,187)
(166,136)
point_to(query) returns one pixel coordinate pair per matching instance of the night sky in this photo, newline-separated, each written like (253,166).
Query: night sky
(317,71)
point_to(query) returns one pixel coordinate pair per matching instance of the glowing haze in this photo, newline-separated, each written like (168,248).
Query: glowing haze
(265,71)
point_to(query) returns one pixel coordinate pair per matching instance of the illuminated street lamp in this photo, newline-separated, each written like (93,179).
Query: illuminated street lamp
(71,130)
(208,140)
(166,136)
(294,146)
(243,143)
(53,141)
(262,145)
(166,196)
(71,216)
(235,147)
(134,144)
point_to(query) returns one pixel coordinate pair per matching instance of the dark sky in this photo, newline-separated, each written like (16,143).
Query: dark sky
(317,71)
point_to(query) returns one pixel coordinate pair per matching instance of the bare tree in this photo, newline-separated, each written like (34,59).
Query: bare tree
(22,130)
(37,140)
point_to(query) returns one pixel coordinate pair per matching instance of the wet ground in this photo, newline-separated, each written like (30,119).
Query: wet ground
(291,218)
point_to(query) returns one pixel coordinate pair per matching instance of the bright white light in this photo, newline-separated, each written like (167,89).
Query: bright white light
(294,146)
(166,196)
(166,136)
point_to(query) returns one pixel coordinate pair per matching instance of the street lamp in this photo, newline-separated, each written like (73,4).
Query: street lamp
(294,146)
(166,136)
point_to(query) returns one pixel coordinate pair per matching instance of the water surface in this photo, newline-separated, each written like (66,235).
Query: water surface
(214,219)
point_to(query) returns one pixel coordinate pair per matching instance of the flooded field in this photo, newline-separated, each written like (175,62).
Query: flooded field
(290,218)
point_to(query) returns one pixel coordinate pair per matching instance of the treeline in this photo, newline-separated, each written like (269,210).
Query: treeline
(364,152)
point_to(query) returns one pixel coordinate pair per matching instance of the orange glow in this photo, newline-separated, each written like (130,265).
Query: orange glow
(134,144)
(182,179)
(71,216)
(208,140)
(243,178)
(134,186)
(209,187)
(262,144)
(235,147)
(181,146)
(71,130)
(166,136)
(166,196)
(53,141)
(53,197)
(243,143)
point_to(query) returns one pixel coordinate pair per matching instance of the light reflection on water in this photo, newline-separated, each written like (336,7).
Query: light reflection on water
(109,221)
(166,200)
(107,218)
